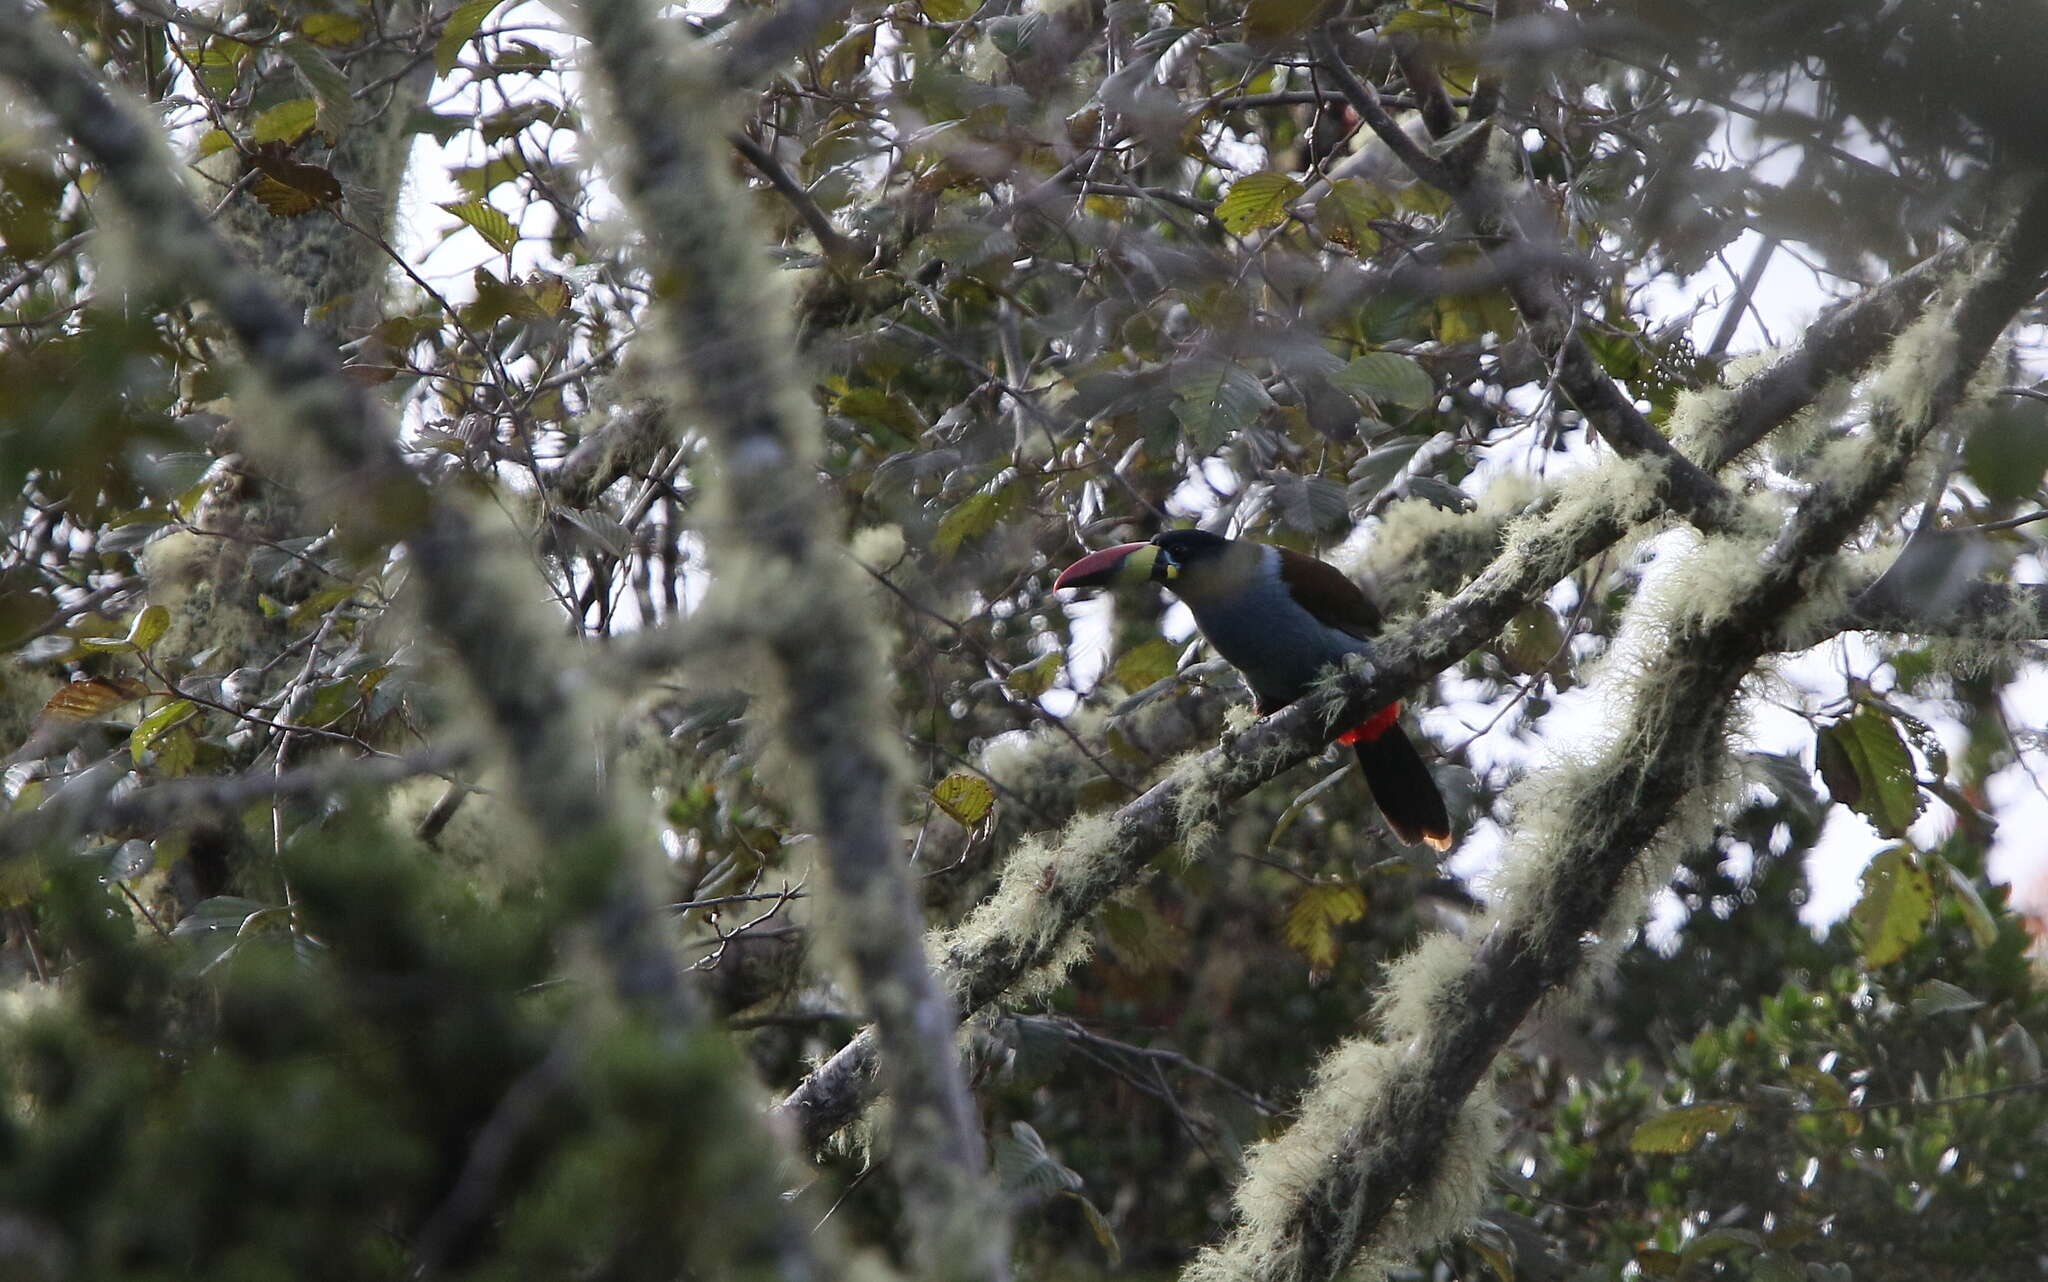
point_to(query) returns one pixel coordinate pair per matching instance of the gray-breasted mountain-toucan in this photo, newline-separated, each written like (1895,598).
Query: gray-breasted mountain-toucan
(1283,620)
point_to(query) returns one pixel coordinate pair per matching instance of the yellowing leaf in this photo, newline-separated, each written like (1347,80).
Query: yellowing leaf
(488,222)
(93,697)
(1347,212)
(214,141)
(286,122)
(331,29)
(1898,898)
(966,798)
(1313,918)
(1274,21)
(1255,201)
(975,516)
(1682,1129)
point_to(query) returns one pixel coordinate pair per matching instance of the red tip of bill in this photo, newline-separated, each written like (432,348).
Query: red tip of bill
(1096,567)
(1373,726)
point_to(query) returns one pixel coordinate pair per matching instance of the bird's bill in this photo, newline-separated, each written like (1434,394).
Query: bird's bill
(1124,563)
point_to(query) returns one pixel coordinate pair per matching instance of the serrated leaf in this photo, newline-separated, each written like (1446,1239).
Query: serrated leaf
(1311,504)
(93,697)
(966,798)
(1387,378)
(213,142)
(142,740)
(1377,469)
(1216,398)
(1313,918)
(287,122)
(465,22)
(1884,790)
(1681,1130)
(1255,201)
(1147,663)
(1898,899)
(488,222)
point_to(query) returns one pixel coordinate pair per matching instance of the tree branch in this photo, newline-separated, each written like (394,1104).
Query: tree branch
(505,653)
(1552,545)
(1539,297)
(781,573)
(1378,1121)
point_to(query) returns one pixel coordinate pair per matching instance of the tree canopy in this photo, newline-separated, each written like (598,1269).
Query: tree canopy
(541,741)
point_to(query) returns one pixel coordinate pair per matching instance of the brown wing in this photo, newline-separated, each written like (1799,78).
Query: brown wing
(1324,591)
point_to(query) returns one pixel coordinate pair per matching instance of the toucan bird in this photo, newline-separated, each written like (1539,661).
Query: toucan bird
(1283,619)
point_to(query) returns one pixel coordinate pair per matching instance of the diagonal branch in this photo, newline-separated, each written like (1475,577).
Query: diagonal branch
(781,574)
(1449,1020)
(1552,544)
(503,651)
(1549,314)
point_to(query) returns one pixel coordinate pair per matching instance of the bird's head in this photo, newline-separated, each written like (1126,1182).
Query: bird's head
(1165,560)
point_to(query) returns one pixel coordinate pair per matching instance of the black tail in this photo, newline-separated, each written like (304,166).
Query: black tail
(1402,786)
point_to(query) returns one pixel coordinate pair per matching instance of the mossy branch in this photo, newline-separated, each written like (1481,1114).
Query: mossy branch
(510,659)
(1368,1176)
(1551,543)
(779,570)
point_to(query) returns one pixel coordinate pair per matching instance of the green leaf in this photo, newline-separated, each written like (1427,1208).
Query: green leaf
(1146,664)
(1215,399)
(1884,791)
(465,22)
(330,86)
(1036,677)
(949,10)
(1311,504)
(1533,638)
(1347,212)
(1270,22)
(1387,377)
(149,627)
(1024,1165)
(1098,1224)
(142,740)
(974,517)
(488,222)
(2007,452)
(331,29)
(1977,914)
(214,141)
(1898,899)
(330,703)
(286,122)
(1313,918)
(1255,201)
(1939,997)
(967,798)
(1681,1130)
